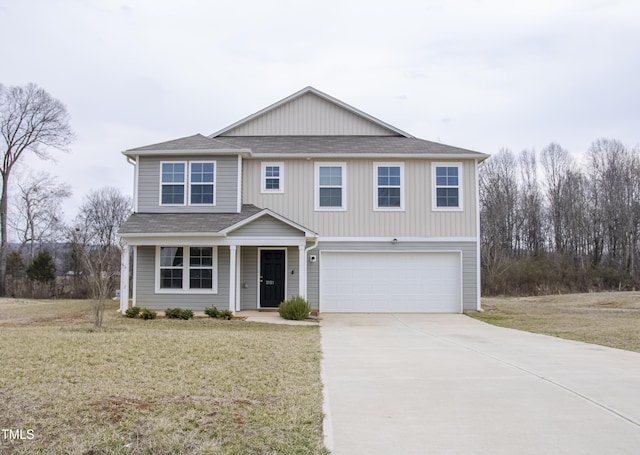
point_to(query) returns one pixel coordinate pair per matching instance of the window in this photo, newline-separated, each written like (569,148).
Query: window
(331,186)
(388,186)
(202,185)
(272,177)
(194,273)
(172,183)
(447,194)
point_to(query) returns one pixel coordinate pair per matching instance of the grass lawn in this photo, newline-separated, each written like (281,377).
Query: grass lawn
(609,318)
(156,387)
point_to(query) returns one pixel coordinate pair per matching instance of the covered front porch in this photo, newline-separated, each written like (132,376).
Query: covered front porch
(249,264)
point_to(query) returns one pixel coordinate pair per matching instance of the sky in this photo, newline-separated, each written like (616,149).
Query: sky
(476,74)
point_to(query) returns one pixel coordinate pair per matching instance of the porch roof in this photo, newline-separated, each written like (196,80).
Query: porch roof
(163,225)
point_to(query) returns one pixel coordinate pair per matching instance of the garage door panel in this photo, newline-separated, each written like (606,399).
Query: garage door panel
(390,282)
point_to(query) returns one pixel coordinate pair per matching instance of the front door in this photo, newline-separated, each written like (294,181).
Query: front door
(272,278)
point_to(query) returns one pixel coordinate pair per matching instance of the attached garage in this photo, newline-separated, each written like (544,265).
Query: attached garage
(390,282)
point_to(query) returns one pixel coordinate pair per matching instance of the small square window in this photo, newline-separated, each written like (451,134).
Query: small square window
(272,178)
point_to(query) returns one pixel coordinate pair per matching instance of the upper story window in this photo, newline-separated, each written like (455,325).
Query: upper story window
(389,186)
(331,186)
(447,194)
(202,184)
(172,182)
(200,180)
(186,269)
(272,177)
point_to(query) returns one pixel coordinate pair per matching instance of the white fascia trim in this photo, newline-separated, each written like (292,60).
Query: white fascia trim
(399,239)
(263,241)
(241,152)
(210,240)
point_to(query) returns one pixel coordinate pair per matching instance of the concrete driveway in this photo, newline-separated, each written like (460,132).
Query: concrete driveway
(448,384)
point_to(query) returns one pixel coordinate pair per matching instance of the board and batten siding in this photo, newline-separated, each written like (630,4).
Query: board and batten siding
(309,115)
(469,264)
(360,219)
(226,185)
(146,279)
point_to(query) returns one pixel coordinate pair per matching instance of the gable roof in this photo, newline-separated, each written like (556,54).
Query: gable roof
(297,107)
(198,224)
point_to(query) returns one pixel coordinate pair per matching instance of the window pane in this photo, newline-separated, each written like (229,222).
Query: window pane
(202,172)
(201,256)
(272,171)
(201,279)
(172,172)
(330,176)
(330,197)
(172,194)
(272,184)
(388,197)
(447,197)
(171,257)
(202,194)
(171,278)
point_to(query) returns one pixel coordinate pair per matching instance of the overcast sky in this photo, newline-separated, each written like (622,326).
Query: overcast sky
(475,74)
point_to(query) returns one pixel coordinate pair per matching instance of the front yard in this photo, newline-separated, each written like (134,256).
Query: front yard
(607,318)
(160,386)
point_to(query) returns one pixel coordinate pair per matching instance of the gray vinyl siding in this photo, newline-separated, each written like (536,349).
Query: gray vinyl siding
(249,276)
(360,219)
(469,264)
(226,185)
(309,115)
(266,226)
(145,285)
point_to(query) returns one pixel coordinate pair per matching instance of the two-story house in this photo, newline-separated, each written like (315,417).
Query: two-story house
(310,197)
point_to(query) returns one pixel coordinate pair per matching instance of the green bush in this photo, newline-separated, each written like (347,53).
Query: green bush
(145,313)
(132,312)
(295,309)
(218,314)
(178,313)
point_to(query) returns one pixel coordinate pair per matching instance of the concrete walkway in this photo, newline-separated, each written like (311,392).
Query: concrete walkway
(448,384)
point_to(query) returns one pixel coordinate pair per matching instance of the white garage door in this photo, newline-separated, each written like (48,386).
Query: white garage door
(390,282)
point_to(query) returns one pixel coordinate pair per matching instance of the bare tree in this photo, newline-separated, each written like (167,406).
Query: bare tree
(36,214)
(30,121)
(555,164)
(97,224)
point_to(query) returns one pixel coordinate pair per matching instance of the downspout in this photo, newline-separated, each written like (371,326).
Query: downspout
(134,163)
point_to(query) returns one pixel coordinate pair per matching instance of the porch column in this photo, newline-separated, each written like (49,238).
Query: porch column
(302,271)
(124,276)
(232,277)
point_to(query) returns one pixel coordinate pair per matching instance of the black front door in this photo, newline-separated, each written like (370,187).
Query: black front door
(272,277)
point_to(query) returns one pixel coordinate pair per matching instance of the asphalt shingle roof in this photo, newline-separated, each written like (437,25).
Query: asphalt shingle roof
(195,142)
(188,223)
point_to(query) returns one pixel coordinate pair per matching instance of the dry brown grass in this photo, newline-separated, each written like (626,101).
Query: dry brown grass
(608,318)
(161,386)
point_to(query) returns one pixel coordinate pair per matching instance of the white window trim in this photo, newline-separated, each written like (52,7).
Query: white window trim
(376,208)
(186,178)
(434,201)
(263,174)
(215,183)
(316,186)
(185,272)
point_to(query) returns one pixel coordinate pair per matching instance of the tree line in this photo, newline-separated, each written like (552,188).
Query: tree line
(33,122)
(552,224)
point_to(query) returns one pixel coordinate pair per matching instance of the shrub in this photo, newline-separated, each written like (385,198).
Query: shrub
(218,314)
(295,309)
(132,312)
(178,313)
(145,313)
